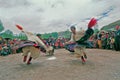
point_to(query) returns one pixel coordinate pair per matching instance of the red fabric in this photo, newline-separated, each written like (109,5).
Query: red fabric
(92,23)
(35,45)
(117,27)
(56,44)
(61,44)
(19,27)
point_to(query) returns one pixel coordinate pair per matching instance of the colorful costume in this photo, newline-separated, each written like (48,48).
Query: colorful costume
(80,41)
(33,46)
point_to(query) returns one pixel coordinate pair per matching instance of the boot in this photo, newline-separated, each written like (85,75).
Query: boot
(29,60)
(85,56)
(83,60)
(25,58)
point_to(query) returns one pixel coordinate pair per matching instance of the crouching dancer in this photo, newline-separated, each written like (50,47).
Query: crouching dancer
(79,39)
(34,46)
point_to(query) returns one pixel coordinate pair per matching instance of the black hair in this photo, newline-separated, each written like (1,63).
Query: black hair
(72,27)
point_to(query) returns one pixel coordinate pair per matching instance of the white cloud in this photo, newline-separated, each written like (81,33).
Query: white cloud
(55,15)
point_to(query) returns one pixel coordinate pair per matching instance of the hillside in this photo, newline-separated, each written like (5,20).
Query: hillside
(111,26)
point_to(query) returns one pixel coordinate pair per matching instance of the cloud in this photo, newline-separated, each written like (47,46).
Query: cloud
(44,16)
(13,3)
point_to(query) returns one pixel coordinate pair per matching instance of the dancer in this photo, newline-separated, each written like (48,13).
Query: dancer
(79,39)
(33,46)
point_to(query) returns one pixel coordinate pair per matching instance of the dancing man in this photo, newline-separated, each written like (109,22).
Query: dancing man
(33,46)
(79,39)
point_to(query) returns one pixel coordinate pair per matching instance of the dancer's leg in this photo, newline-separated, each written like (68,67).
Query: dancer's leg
(29,60)
(24,58)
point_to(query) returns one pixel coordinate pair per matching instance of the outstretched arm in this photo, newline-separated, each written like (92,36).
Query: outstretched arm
(32,37)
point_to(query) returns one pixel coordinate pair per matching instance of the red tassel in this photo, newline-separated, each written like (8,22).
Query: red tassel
(19,27)
(92,23)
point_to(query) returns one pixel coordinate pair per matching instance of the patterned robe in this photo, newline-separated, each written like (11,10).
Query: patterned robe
(32,49)
(79,42)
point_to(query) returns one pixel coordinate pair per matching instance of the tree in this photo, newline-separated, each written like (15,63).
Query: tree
(7,34)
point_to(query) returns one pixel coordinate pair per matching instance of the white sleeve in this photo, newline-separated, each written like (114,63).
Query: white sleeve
(72,39)
(34,38)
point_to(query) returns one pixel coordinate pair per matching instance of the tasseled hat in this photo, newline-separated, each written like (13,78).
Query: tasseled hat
(19,27)
(92,23)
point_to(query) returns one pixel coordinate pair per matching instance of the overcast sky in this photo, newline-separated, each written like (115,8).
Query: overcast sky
(44,16)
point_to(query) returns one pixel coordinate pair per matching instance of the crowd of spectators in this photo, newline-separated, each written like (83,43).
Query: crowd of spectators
(8,46)
(106,40)
(101,40)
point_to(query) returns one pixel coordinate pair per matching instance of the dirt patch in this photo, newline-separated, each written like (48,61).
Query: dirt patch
(100,65)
